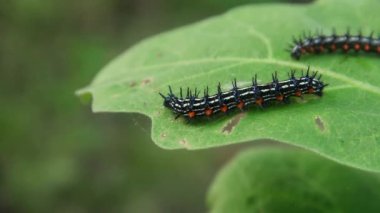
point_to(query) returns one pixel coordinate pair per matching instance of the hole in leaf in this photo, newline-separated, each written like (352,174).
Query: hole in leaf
(319,123)
(233,123)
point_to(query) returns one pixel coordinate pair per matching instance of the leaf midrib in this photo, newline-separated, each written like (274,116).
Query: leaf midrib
(243,61)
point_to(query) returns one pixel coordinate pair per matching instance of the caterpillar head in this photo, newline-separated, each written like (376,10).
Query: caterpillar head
(318,86)
(167,100)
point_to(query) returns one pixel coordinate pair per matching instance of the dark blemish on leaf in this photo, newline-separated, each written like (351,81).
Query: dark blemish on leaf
(184,143)
(146,81)
(232,123)
(163,135)
(250,200)
(133,84)
(159,55)
(319,123)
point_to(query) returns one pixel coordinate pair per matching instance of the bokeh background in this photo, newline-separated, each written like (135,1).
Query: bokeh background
(55,154)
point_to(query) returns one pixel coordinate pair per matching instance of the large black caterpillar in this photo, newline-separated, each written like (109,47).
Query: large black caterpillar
(192,105)
(320,43)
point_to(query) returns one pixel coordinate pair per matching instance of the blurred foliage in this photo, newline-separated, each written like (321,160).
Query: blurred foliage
(292,180)
(55,155)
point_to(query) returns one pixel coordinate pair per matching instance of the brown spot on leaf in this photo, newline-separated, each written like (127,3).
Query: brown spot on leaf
(319,123)
(146,81)
(184,143)
(232,123)
(133,84)
(163,135)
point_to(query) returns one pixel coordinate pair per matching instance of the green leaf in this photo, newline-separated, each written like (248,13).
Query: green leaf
(289,180)
(343,125)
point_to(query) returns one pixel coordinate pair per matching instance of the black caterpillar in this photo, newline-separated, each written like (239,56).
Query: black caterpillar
(320,43)
(193,106)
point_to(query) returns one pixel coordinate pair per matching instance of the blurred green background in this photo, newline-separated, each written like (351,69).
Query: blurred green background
(55,155)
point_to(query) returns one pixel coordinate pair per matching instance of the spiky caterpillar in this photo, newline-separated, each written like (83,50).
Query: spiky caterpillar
(192,106)
(321,43)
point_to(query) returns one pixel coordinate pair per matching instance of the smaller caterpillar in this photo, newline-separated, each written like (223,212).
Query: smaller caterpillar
(192,106)
(321,43)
